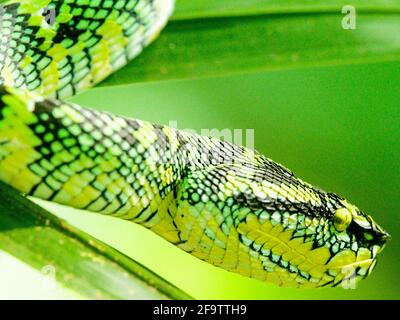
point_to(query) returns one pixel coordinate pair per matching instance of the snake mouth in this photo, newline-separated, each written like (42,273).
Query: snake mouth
(355,271)
(376,249)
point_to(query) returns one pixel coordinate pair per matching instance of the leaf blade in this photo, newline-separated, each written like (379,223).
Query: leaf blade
(196,9)
(83,263)
(224,46)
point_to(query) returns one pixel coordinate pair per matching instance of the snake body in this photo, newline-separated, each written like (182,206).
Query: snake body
(222,203)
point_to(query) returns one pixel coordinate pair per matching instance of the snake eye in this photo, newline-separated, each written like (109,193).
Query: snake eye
(342,219)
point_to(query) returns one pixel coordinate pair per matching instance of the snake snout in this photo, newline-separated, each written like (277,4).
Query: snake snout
(368,233)
(380,234)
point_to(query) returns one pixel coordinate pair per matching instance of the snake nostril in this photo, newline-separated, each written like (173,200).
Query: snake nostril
(380,235)
(383,237)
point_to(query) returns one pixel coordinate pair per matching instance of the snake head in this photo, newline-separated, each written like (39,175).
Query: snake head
(361,226)
(258,219)
(364,238)
(312,238)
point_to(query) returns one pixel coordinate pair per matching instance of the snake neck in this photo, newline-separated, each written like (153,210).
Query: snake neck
(104,163)
(97,161)
(84,158)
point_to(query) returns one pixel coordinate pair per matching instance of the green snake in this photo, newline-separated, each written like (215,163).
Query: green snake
(222,203)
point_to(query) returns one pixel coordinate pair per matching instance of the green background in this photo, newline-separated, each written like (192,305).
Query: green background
(335,127)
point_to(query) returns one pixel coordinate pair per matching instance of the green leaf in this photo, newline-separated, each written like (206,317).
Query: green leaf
(195,9)
(222,46)
(82,263)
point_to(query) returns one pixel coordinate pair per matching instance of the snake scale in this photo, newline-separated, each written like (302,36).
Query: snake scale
(220,202)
